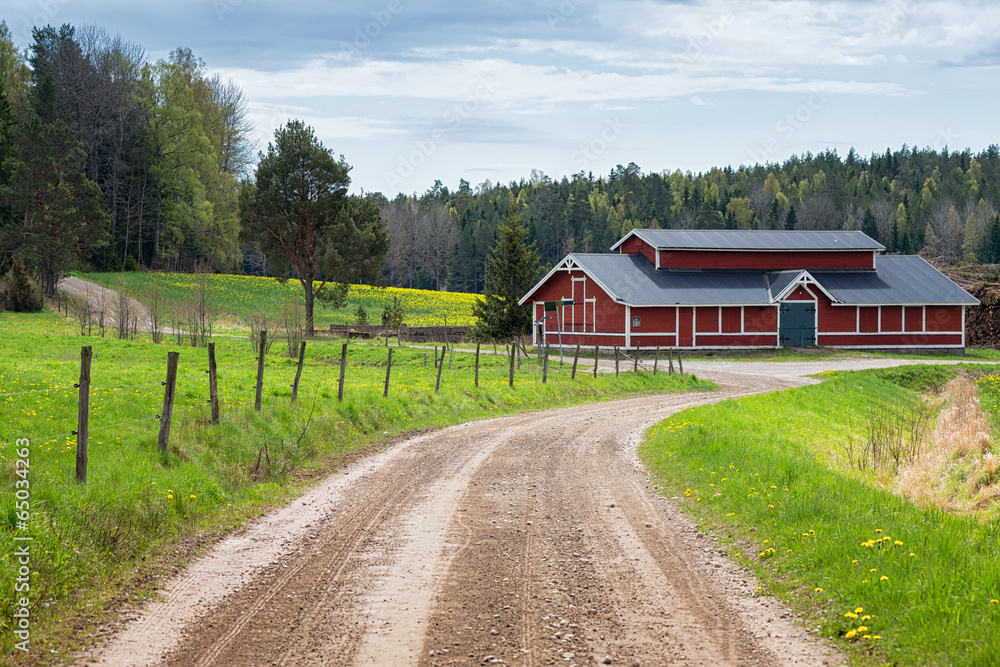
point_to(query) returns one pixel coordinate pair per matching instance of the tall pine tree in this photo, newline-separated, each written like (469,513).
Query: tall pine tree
(512,267)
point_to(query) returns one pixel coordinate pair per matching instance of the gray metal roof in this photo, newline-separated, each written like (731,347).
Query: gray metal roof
(779,280)
(633,279)
(737,239)
(898,279)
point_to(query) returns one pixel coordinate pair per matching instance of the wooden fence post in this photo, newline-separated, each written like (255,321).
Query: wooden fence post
(260,370)
(425,360)
(510,377)
(213,383)
(168,401)
(635,365)
(298,371)
(388,370)
(83,415)
(545,364)
(437,383)
(435,356)
(670,354)
(576,358)
(596,349)
(656,359)
(680,362)
(477,365)
(343,369)
(616,361)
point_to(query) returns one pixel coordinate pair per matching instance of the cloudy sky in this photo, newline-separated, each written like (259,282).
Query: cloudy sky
(410,91)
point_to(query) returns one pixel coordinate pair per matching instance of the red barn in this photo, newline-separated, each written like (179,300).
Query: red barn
(734,289)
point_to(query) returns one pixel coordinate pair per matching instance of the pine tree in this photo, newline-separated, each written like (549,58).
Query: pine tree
(991,241)
(869,225)
(792,219)
(511,270)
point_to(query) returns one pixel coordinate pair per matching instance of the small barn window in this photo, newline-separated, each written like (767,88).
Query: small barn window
(635,322)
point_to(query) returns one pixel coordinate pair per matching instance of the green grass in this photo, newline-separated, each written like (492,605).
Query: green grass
(765,473)
(233,298)
(96,544)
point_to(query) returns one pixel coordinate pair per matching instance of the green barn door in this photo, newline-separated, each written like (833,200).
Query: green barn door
(797,324)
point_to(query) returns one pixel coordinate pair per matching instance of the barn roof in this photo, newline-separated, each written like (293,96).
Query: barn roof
(633,280)
(753,240)
(898,279)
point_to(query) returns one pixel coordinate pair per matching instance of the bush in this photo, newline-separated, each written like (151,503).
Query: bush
(22,294)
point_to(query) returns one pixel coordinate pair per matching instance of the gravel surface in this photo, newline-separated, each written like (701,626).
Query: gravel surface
(532,539)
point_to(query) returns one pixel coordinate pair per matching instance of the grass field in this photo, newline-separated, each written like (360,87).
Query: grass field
(887,581)
(94,545)
(235,297)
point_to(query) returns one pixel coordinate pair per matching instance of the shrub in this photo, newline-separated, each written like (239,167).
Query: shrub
(22,294)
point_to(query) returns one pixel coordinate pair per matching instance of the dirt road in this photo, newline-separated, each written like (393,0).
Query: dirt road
(524,540)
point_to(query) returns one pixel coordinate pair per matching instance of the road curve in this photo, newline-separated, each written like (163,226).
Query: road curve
(527,540)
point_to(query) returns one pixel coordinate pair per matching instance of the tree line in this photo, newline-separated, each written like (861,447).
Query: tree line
(112,160)
(933,202)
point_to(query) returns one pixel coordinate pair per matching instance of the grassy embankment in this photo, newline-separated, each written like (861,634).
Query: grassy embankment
(233,298)
(97,545)
(779,479)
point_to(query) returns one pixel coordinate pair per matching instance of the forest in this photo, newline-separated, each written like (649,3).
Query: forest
(111,162)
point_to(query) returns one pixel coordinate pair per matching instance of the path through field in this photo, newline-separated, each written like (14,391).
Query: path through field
(525,540)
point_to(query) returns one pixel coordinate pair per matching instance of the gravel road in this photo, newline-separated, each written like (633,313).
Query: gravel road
(525,540)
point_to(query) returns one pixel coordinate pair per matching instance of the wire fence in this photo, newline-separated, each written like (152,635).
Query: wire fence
(414,374)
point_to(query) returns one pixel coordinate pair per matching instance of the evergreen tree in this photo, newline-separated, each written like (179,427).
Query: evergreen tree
(512,268)
(791,220)
(991,241)
(21,295)
(61,216)
(869,225)
(298,212)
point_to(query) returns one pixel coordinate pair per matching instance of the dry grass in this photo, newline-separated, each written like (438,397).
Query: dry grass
(957,470)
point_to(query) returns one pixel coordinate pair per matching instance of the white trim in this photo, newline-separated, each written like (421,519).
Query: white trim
(806,280)
(628,327)
(743,318)
(890,333)
(857,322)
(925,317)
(963,327)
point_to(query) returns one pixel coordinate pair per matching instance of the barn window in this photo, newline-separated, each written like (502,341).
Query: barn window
(635,322)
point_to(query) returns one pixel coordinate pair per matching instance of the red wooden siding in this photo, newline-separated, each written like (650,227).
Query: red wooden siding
(700,259)
(654,341)
(758,340)
(610,315)
(913,318)
(732,319)
(686,333)
(635,245)
(800,294)
(892,318)
(944,318)
(760,319)
(707,319)
(655,320)
(869,319)
(891,340)
(560,286)
(835,318)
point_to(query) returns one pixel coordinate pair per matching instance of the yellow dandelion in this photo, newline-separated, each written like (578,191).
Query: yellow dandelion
(851,634)
(817,590)
(883,578)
